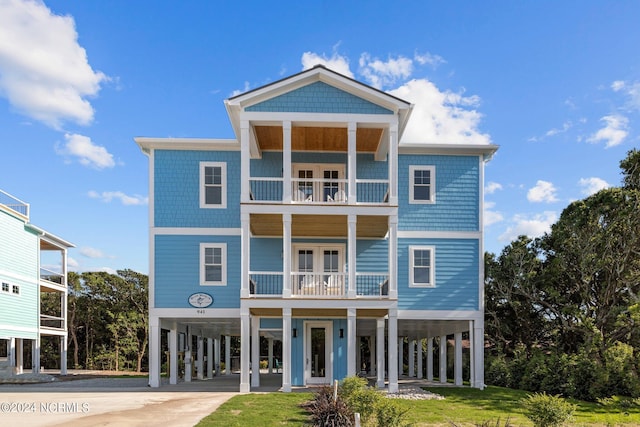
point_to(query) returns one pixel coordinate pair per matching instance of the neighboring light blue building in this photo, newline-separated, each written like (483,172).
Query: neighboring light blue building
(316,227)
(24,278)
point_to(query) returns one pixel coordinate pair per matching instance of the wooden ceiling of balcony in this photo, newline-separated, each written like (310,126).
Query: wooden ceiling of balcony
(318,138)
(270,225)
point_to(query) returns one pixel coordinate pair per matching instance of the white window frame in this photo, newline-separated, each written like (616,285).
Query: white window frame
(203,247)
(318,256)
(432,185)
(15,289)
(223,185)
(318,178)
(432,264)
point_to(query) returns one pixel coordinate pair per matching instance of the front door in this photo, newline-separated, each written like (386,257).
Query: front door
(318,352)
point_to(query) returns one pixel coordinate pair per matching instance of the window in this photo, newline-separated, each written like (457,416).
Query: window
(15,289)
(5,287)
(213,264)
(421,266)
(213,185)
(422,184)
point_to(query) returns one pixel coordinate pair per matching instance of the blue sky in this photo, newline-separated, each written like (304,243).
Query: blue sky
(555,84)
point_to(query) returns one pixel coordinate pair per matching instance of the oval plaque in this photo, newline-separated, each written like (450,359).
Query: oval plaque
(200,300)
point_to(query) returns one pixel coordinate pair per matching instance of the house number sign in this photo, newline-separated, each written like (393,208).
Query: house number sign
(200,300)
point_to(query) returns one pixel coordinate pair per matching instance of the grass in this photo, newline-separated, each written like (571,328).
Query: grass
(462,407)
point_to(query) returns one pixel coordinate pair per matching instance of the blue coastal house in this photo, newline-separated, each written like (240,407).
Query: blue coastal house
(33,262)
(318,228)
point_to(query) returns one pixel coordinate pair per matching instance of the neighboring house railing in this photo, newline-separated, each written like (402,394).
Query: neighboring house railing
(52,322)
(14,203)
(318,190)
(51,276)
(323,285)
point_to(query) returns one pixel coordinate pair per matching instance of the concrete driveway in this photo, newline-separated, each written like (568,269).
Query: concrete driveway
(112,402)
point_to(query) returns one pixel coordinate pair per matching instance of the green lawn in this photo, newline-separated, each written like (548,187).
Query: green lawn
(462,407)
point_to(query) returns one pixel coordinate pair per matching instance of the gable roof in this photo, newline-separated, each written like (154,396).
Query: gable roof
(319,73)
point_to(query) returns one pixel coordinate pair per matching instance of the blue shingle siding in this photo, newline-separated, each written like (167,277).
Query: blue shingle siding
(177,189)
(319,97)
(266,254)
(372,256)
(456,276)
(457,194)
(177,271)
(368,168)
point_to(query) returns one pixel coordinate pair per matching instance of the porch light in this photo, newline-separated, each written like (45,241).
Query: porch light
(294,333)
(341,333)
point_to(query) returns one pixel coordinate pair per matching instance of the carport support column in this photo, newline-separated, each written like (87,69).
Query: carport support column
(380,352)
(200,359)
(412,358)
(216,354)
(210,358)
(188,355)
(352,346)
(400,356)
(245,337)
(64,342)
(457,366)
(270,354)
(443,359)
(227,354)
(393,350)
(35,355)
(255,351)
(372,355)
(419,358)
(20,354)
(286,350)
(154,352)
(430,359)
(173,355)
(478,353)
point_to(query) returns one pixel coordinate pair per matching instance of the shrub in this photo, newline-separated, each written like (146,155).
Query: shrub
(498,372)
(327,412)
(621,369)
(360,397)
(389,414)
(548,411)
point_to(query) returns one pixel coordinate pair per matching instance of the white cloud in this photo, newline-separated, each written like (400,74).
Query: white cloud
(44,72)
(592,185)
(109,196)
(72,263)
(440,117)
(565,127)
(490,216)
(87,152)
(492,187)
(532,226)
(631,90)
(429,59)
(544,191)
(383,74)
(90,252)
(614,132)
(336,62)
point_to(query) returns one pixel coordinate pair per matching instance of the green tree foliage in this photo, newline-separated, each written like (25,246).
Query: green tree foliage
(563,311)
(108,320)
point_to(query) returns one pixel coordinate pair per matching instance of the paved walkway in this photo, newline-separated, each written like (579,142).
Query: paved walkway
(112,402)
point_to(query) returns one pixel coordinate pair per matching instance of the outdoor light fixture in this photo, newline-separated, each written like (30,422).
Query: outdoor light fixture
(341,333)
(294,332)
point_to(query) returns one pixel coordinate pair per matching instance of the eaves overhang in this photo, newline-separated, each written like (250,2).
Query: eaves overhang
(485,150)
(147,144)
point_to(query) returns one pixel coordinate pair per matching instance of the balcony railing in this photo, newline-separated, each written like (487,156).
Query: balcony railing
(52,322)
(51,276)
(318,285)
(14,204)
(318,190)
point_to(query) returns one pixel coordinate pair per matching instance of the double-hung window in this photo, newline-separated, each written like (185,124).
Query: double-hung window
(213,264)
(422,184)
(421,266)
(213,185)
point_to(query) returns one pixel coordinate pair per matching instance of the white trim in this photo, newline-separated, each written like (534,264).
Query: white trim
(432,266)
(223,185)
(318,119)
(318,255)
(195,231)
(148,144)
(440,314)
(417,234)
(19,328)
(223,264)
(339,304)
(151,237)
(449,149)
(14,276)
(481,294)
(187,314)
(432,184)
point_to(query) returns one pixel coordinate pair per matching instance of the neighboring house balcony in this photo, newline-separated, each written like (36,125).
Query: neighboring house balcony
(53,286)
